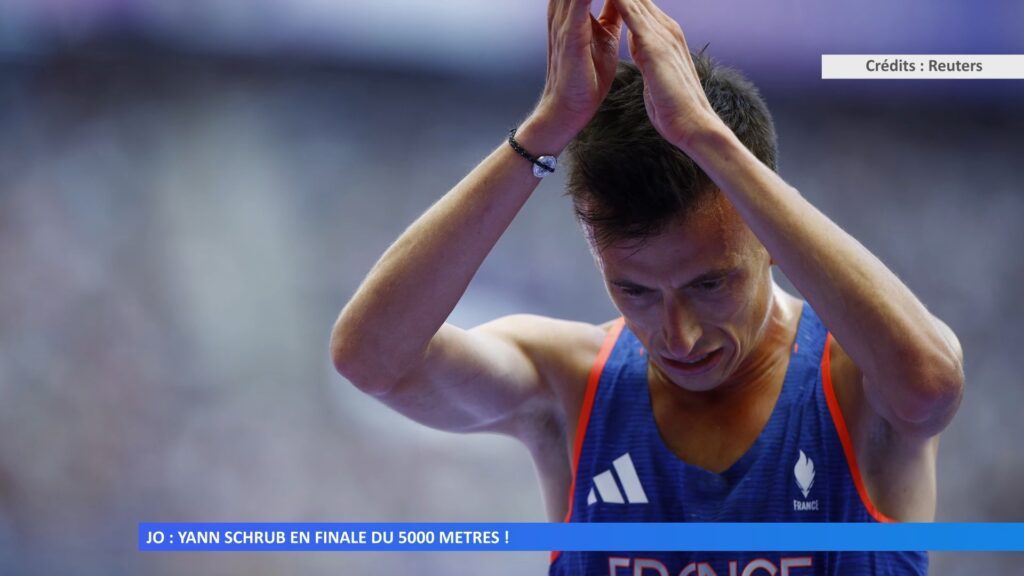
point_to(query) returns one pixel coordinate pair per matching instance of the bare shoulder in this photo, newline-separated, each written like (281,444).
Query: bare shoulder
(510,376)
(563,351)
(557,343)
(897,470)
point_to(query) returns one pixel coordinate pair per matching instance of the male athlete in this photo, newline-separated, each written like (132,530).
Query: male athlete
(716,396)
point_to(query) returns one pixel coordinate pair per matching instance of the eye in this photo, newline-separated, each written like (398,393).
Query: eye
(711,285)
(630,290)
(633,291)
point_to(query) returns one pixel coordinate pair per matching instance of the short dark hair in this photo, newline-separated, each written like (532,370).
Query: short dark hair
(627,182)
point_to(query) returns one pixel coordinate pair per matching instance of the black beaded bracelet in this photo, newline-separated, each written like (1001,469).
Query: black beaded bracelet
(542,165)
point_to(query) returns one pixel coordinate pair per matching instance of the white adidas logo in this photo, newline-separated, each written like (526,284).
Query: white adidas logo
(608,489)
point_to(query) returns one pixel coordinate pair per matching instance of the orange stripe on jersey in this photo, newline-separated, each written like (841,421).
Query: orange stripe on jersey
(588,405)
(844,433)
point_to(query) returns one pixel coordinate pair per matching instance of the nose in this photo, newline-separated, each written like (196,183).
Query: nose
(681,328)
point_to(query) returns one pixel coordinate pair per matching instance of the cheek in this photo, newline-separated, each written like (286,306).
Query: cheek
(643,321)
(730,309)
(740,311)
(750,310)
(644,324)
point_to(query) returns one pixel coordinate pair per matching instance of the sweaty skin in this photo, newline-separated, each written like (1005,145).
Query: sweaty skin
(701,287)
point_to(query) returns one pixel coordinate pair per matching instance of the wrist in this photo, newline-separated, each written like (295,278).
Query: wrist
(708,139)
(544,135)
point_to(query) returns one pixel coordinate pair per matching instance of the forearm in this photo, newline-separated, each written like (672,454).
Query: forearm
(386,326)
(884,328)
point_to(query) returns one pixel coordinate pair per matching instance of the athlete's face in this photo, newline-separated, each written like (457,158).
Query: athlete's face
(697,296)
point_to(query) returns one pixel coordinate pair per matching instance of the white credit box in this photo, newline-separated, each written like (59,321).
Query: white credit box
(922,66)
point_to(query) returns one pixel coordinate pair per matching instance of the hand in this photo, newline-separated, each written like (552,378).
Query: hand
(583,52)
(673,95)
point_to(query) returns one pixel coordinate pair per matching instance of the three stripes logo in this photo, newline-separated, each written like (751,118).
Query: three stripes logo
(607,488)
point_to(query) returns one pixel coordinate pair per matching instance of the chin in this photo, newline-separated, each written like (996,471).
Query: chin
(700,383)
(711,378)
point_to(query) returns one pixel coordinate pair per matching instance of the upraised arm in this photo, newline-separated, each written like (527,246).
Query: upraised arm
(391,339)
(911,362)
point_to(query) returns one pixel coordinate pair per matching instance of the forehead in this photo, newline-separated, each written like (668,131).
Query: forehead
(711,237)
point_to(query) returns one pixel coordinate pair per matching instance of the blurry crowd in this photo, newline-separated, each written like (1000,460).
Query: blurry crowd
(178,234)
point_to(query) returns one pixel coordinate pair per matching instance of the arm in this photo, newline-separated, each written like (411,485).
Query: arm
(391,339)
(911,362)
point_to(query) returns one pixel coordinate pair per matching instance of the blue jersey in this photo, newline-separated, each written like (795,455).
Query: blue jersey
(801,468)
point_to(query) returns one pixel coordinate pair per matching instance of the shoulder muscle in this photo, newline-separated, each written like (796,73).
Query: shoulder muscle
(508,375)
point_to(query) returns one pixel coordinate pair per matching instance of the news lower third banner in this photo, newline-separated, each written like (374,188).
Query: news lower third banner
(708,537)
(922,66)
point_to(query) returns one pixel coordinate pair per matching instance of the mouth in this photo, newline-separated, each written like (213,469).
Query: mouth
(696,364)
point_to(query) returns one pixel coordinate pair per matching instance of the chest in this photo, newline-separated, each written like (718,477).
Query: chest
(713,438)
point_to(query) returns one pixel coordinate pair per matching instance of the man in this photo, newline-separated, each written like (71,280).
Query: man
(716,396)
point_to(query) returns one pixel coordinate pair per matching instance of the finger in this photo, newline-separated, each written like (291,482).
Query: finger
(579,13)
(631,44)
(552,15)
(660,24)
(635,18)
(557,11)
(651,9)
(603,37)
(552,6)
(561,9)
(608,26)
(610,19)
(656,14)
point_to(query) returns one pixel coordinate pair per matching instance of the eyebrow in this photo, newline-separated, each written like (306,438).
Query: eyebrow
(628,284)
(705,277)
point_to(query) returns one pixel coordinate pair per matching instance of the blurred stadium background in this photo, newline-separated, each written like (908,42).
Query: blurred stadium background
(190,191)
